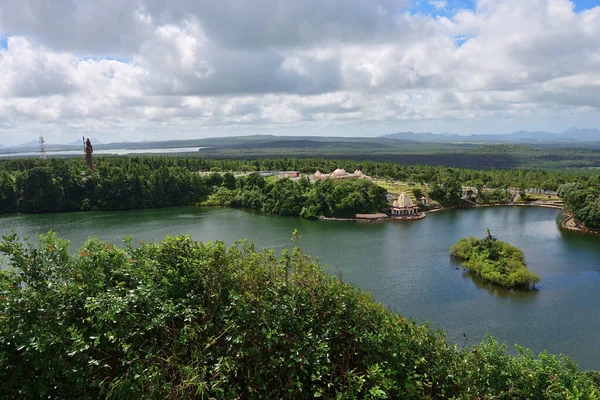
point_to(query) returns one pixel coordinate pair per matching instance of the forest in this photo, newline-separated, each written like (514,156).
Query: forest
(121,183)
(184,319)
(582,199)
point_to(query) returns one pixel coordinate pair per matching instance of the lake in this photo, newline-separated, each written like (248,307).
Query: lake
(405,264)
(117,152)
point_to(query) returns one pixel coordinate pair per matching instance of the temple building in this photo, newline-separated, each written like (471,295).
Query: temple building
(340,173)
(404,207)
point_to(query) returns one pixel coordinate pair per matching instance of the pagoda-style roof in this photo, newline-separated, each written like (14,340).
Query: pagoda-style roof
(404,201)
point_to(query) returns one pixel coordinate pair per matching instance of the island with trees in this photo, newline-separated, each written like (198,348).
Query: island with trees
(494,261)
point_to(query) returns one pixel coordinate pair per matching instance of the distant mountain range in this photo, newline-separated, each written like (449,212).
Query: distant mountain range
(79,142)
(570,135)
(36,144)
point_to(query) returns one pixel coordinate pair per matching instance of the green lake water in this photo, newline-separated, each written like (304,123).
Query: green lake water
(406,265)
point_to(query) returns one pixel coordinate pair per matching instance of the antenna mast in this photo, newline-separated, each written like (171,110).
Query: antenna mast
(42,148)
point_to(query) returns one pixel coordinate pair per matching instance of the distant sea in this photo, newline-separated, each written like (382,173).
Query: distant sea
(7,153)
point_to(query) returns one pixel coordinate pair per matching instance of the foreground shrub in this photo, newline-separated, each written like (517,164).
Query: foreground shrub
(183,319)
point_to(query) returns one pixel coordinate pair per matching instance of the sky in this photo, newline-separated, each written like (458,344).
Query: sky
(180,69)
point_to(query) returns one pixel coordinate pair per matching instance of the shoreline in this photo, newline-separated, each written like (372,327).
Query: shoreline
(542,205)
(569,224)
(380,219)
(423,214)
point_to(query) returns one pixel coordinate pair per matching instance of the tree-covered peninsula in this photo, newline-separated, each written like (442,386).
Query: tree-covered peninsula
(494,261)
(183,319)
(582,200)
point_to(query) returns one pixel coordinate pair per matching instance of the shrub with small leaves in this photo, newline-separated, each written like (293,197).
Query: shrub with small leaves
(184,319)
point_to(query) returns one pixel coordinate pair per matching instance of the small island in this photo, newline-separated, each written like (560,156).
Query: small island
(495,261)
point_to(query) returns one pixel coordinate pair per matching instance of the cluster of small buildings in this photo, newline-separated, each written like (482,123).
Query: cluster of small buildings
(340,174)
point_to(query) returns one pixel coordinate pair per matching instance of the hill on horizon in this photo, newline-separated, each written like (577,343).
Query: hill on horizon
(570,135)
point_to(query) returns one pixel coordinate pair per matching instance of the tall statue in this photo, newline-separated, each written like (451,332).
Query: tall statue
(89,149)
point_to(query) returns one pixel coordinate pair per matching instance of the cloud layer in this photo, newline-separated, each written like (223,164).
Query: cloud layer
(182,68)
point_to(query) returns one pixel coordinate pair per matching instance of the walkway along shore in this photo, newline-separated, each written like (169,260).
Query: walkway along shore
(532,204)
(567,224)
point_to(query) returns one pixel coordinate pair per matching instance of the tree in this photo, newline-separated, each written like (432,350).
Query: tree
(8,195)
(228,181)
(38,191)
(418,193)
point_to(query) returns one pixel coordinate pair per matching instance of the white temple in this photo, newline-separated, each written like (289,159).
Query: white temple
(340,174)
(404,207)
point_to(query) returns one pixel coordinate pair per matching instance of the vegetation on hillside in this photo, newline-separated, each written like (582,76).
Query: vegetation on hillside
(183,319)
(121,183)
(495,261)
(583,201)
(462,155)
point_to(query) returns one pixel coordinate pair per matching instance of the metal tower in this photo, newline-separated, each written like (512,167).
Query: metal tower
(42,148)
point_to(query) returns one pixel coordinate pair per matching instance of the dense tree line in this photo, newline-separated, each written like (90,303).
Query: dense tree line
(30,185)
(331,198)
(68,186)
(128,183)
(582,199)
(187,320)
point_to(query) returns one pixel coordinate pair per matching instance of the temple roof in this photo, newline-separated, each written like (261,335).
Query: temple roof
(339,172)
(403,201)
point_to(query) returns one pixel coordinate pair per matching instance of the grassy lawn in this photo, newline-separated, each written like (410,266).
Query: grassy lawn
(545,197)
(398,187)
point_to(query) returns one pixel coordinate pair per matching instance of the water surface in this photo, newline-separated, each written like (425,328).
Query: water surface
(405,264)
(118,152)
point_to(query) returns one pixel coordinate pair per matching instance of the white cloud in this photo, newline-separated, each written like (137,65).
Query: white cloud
(439,4)
(150,67)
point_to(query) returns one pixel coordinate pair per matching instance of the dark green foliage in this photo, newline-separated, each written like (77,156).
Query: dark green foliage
(157,181)
(493,196)
(448,187)
(331,198)
(418,193)
(118,184)
(583,201)
(8,195)
(39,191)
(465,155)
(182,319)
(595,376)
(494,261)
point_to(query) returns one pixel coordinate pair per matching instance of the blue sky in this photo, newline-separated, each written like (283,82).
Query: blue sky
(586,4)
(428,7)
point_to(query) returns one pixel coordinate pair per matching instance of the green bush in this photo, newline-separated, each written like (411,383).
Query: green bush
(184,319)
